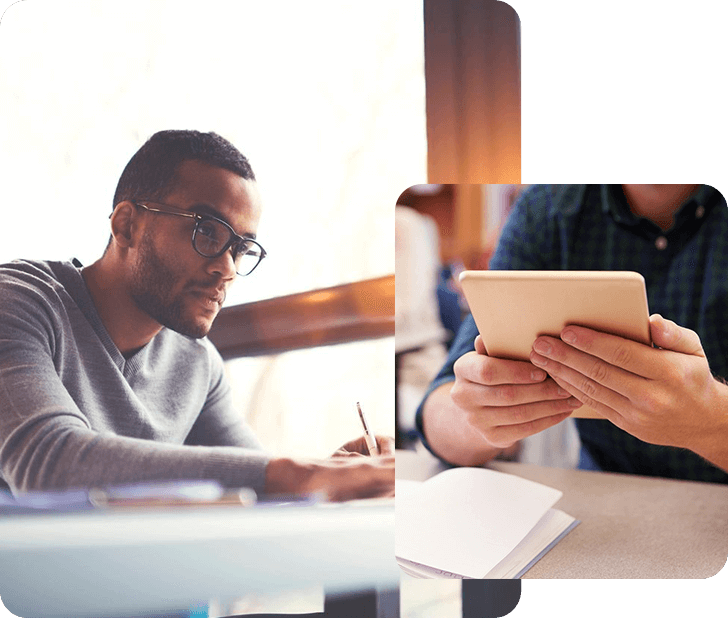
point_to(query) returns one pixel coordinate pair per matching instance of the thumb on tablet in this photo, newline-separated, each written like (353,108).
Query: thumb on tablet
(479,345)
(668,335)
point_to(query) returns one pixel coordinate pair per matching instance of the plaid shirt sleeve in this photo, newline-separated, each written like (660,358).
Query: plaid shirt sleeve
(529,241)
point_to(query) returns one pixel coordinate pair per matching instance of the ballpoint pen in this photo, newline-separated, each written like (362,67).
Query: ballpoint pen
(368,436)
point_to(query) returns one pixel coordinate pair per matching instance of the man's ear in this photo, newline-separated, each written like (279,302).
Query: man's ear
(124,224)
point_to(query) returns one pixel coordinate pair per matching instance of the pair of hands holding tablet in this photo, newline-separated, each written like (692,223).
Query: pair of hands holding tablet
(653,381)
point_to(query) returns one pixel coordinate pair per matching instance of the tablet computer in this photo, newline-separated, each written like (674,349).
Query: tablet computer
(512,308)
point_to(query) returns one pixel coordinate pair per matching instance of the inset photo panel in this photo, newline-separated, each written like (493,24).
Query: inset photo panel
(561,355)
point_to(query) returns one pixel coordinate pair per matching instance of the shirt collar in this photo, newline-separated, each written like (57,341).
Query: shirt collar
(614,202)
(696,206)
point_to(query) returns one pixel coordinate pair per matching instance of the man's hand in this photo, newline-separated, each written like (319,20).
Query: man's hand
(506,400)
(358,447)
(340,478)
(664,395)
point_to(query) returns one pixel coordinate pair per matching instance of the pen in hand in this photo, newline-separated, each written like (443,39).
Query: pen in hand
(368,436)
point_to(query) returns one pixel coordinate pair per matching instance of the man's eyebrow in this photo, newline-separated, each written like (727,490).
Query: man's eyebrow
(206,209)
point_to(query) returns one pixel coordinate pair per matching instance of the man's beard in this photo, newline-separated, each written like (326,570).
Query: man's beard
(152,288)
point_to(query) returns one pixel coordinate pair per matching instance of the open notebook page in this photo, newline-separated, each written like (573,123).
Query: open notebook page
(466,520)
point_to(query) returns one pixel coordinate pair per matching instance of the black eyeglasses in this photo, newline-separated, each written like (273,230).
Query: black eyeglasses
(212,237)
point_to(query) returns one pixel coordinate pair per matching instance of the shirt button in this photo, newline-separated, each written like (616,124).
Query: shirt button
(699,212)
(661,243)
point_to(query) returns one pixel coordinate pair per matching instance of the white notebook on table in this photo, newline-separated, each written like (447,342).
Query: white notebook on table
(475,523)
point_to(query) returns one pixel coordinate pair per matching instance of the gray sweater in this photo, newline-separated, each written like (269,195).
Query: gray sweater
(74,413)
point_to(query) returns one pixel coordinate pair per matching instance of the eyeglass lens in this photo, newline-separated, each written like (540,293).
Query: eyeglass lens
(211,237)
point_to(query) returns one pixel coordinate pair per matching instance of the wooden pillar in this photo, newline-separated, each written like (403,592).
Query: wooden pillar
(472,69)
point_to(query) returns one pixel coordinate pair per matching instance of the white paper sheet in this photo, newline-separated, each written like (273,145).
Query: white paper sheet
(466,520)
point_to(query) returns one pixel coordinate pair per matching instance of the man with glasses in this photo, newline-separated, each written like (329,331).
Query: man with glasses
(106,376)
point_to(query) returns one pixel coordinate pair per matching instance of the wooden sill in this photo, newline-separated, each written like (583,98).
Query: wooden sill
(339,314)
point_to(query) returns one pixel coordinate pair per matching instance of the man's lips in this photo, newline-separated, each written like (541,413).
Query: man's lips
(215,295)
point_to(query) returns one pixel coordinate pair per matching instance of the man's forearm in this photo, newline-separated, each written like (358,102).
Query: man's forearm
(715,450)
(288,476)
(342,478)
(449,434)
(76,457)
(713,447)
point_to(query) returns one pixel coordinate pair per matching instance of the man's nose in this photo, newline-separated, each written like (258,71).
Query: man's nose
(224,265)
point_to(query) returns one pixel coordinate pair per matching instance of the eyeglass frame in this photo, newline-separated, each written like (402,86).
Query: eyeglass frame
(234,238)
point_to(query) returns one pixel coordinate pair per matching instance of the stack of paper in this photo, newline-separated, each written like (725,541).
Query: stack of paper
(475,523)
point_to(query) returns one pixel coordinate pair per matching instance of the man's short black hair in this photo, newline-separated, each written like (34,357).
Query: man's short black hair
(151,172)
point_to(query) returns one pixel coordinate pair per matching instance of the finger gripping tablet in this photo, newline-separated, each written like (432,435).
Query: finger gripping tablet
(512,308)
